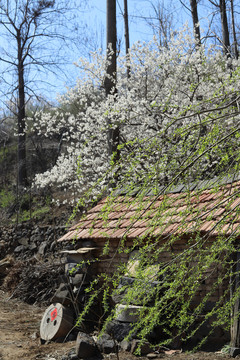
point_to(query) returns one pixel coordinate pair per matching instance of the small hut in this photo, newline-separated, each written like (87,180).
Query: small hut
(207,210)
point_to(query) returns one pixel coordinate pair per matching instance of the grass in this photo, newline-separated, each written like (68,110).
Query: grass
(36,214)
(6,198)
(23,208)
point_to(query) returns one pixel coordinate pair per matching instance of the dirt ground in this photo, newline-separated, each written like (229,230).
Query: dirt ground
(19,332)
(19,337)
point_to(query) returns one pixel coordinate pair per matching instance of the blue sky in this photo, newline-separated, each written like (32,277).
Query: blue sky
(136,9)
(93,22)
(94,15)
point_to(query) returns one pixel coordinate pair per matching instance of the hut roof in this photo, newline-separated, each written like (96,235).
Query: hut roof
(206,207)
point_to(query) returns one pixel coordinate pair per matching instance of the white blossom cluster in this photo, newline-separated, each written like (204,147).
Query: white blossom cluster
(169,89)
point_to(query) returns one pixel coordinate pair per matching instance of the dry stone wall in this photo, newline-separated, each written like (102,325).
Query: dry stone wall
(31,261)
(26,239)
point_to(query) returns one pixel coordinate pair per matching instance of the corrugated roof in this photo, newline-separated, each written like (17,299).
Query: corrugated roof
(215,210)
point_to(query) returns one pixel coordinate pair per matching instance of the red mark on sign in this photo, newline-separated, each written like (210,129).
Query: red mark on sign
(54,314)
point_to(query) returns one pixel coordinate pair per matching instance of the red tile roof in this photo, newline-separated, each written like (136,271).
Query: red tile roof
(213,211)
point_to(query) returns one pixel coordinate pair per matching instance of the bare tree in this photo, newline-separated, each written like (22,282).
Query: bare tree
(221,5)
(235,44)
(196,26)
(194,14)
(224,23)
(161,21)
(31,30)
(110,80)
(127,38)
(111,77)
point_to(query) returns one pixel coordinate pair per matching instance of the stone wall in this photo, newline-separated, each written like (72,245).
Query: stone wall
(26,239)
(31,261)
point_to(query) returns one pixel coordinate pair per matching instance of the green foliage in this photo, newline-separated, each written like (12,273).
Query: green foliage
(6,198)
(177,303)
(37,214)
(24,206)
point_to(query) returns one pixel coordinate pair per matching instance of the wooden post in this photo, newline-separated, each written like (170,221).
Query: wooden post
(235,287)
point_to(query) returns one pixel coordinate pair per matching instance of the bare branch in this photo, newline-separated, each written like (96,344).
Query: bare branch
(32,27)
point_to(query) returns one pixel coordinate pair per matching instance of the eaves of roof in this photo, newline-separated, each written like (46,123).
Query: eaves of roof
(208,207)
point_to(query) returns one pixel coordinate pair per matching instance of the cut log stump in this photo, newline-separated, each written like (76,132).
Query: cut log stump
(57,322)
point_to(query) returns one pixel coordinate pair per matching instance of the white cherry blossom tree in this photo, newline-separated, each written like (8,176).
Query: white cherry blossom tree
(170,92)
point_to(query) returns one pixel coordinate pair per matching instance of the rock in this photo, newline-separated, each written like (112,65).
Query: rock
(233,351)
(62,295)
(74,257)
(129,313)
(85,346)
(145,347)
(32,247)
(53,245)
(34,335)
(152,356)
(125,345)
(23,241)
(19,248)
(36,238)
(124,282)
(106,344)
(76,279)
(42,248)
(72,269)
(127,282)
(118,330)
(73,357)
(36,230)
(71,353)
(81,279)
(48,231)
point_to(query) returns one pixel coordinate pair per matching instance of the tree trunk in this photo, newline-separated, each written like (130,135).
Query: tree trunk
(22,166)
(234,31)
(224,23)
(127,42)
(196,27)
(110,81)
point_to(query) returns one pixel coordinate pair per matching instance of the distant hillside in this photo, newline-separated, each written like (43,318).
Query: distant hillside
(18,205)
